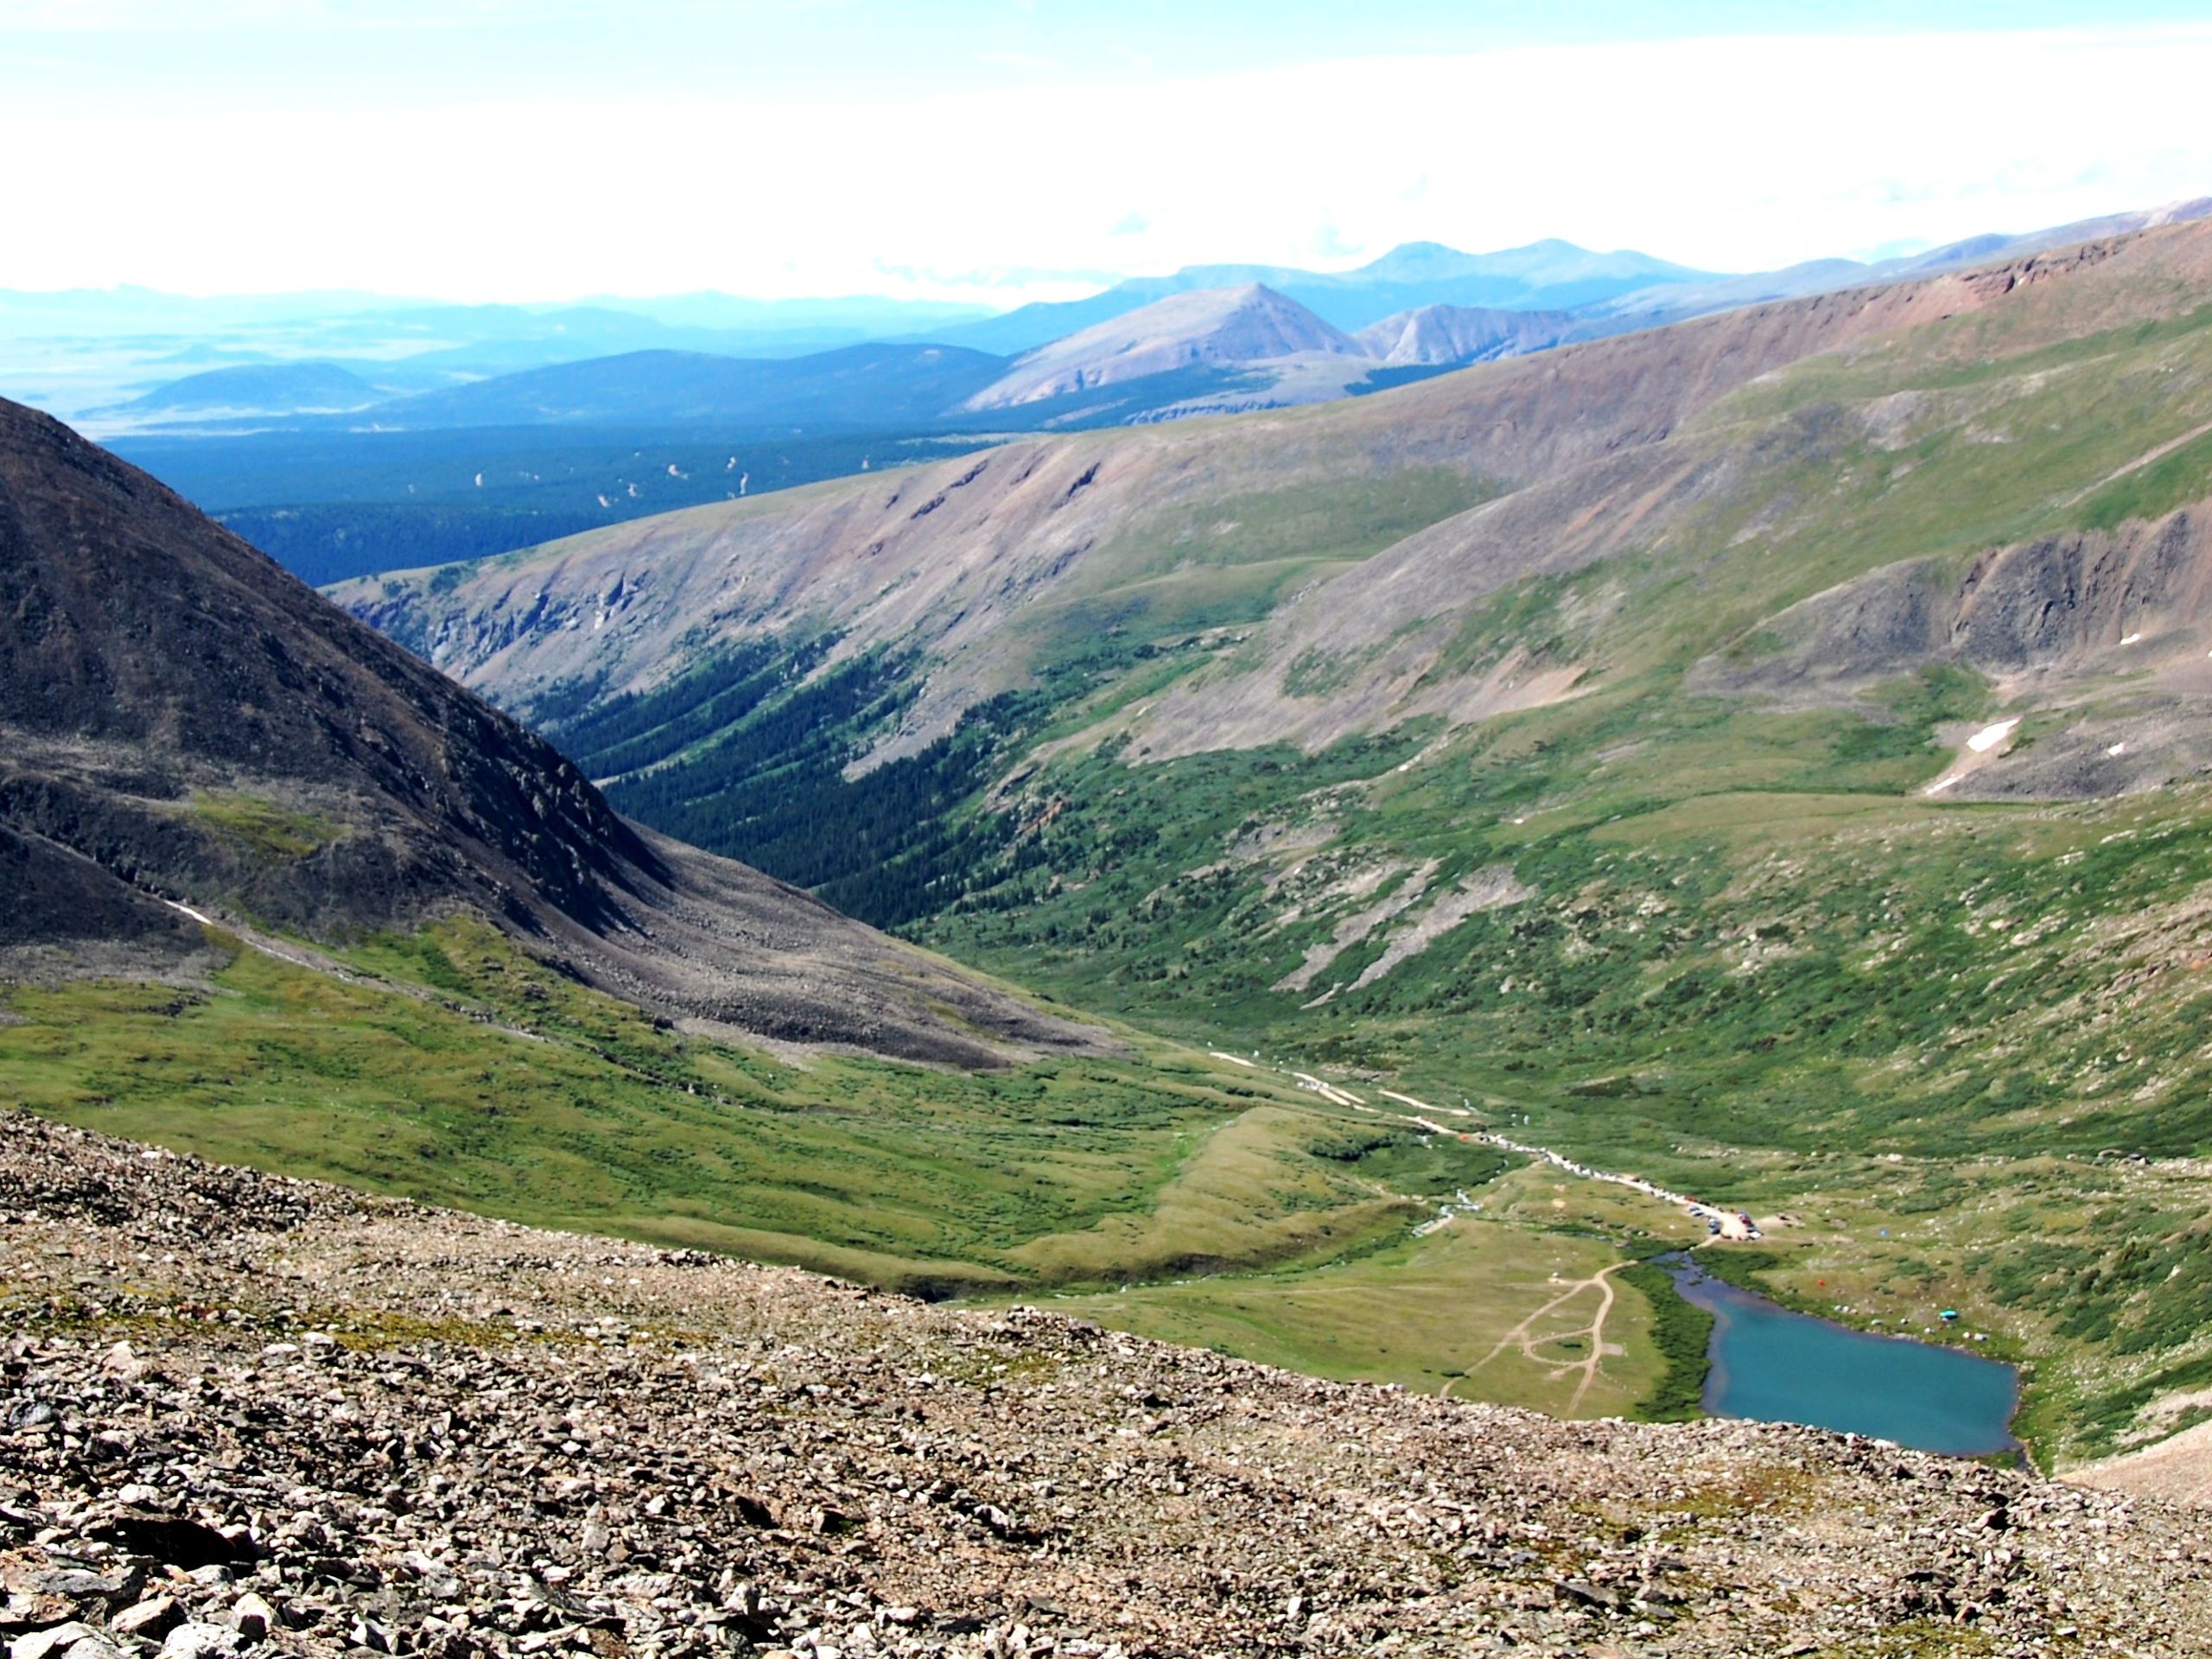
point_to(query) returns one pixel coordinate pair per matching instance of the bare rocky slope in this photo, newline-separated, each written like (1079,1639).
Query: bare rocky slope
(1462,334)
(240,1414)
(2045,619)
(1664,303)
(945,559)
(2177,1469)
(1211,328)
(182,723)
(1680,492)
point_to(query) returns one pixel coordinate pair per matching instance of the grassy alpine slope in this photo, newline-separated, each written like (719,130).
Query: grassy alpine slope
(1749,936)
(451,1067)
(1599,800)
(438,963)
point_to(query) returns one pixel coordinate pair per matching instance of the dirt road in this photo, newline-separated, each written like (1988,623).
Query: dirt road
(1528,1340)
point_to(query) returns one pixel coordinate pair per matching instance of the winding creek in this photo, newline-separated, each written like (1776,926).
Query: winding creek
(1772,1365)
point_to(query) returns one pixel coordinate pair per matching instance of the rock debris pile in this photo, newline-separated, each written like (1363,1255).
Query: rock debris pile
(241,1415)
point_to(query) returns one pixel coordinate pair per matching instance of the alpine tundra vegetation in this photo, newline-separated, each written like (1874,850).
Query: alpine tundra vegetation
(1042,961)
(1619,768)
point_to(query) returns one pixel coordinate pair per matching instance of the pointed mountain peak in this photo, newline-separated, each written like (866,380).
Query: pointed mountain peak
(1207,327)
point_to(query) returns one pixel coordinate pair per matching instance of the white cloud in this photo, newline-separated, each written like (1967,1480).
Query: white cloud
(287,17)
(1731,153)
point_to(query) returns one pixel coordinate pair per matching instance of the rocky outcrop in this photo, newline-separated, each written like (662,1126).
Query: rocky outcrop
(241,1415)
(2057,604)
(2105,631)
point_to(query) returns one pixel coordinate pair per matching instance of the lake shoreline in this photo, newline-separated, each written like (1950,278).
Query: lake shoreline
(1769,1363)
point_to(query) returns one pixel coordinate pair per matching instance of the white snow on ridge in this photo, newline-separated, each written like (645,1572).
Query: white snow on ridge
(1990,736)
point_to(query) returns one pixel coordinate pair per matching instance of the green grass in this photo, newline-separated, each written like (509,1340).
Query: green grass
(2176,478)
(456,1069)
(1682,1332)
(1424,1165)
(1303,519)
(264,827)
(501,1086)
(1497,1305)
(1427,1314)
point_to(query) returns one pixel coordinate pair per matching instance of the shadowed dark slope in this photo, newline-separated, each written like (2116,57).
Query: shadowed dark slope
(180,720)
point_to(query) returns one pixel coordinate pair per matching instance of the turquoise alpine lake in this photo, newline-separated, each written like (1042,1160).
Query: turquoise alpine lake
(1774,1366)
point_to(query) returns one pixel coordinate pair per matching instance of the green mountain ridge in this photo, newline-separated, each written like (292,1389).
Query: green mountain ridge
(1765,752)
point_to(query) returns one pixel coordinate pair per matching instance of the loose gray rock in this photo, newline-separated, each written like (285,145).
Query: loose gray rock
(57,1638)
(367,1427)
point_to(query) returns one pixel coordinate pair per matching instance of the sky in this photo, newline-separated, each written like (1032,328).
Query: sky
(1000,151)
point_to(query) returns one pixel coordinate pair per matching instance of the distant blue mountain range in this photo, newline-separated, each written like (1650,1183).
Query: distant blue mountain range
(1549,276)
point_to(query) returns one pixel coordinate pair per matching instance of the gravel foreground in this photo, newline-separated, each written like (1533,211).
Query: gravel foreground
(241,1414)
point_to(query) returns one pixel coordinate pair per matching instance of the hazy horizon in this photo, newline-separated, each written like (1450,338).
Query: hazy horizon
(1000,151)
(1902,247)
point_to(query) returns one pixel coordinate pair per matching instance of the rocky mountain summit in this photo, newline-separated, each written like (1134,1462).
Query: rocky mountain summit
(240,1414)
